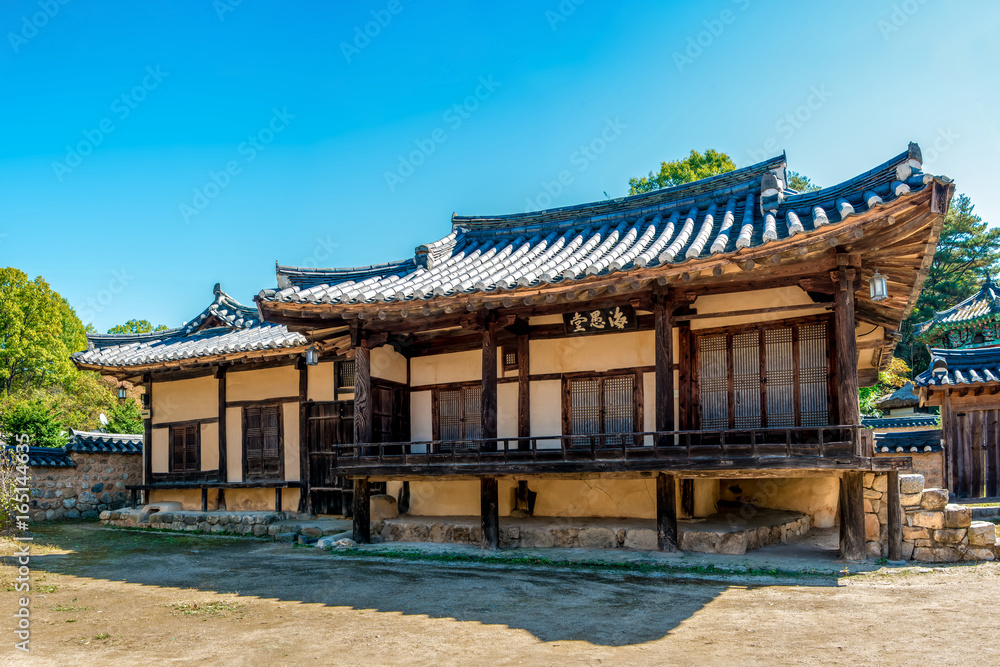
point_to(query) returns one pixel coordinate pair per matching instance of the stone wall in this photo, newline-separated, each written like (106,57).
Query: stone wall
(97,483)
(934,530)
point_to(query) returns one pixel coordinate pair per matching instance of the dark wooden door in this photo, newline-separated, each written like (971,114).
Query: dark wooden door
(328,424)
(972,448)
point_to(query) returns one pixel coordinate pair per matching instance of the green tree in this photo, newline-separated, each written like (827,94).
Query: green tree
(38,332)
(692,168)
(967,252)
(800,183)
(135,327)
(37,417)
(889,380)
(125,418)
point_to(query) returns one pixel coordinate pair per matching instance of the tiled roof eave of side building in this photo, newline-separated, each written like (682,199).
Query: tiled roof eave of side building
(981,307)
(732,214)
(224,329)
(961,367)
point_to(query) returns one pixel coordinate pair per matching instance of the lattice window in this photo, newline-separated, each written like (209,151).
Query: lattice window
(459,417)
(778,351)
(813,375)
(769,376)
(509,357)
(345,374)
(601,404)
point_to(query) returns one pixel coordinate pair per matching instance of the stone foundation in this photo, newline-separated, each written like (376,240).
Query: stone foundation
(934,530)
(95,484)
(715,534)
(283,526)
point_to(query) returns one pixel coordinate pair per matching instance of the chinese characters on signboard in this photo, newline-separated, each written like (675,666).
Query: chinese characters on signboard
(600,320)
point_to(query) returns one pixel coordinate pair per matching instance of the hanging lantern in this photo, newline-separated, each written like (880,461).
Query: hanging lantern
(312,356)
(122,393)
(879,287)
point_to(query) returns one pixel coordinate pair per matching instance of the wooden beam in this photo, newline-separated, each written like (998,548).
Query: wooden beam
(852,516)
(663,343)
(223,452)
(846,347)
(523,392)
(362,389)
(666,513)
(147,435)
(362,511)
(488,397)
(489,503)
(304,496)
(895,528)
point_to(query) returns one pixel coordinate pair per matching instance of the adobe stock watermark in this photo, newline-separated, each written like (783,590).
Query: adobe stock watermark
(92,306)
(121,108)
(248,150)
(223,7)
(944,140)
(16,470)
(30,25)
(900,15)
(788,124)
(704,39)
(581,159)
(321,253)
(562,12)
(453,117)
(364,34)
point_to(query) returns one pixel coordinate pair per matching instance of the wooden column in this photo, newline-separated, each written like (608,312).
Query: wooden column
(846,345)
(147,437)
(304,496)
(895,534)
(523,393)
(362,511)
(852,516)
(223,476)
(666,513)
(488,413)
(362,388)
(490,509)
(664,359)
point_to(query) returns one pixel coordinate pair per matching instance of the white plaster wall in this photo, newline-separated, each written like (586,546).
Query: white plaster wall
(210,446)
(234,444)
(388,364)
(160,451)
(183,400)
(290,430)
(591,353)
(507,410)
(420,416)
(262,383)
(546,410)
(321,381)
(766,298)
(451,367)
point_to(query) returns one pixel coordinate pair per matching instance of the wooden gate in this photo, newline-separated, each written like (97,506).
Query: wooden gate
(329,423)
(972,450)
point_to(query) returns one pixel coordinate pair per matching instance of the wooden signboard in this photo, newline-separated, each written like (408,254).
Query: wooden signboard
(600,320)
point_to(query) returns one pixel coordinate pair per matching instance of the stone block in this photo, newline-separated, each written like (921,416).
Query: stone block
(212,519)
(949,535)
(980,553)
(873,549)
(948,555)
(312,531)
(872,493)
(190,519)
(97,488)
(734,544)
(72,514)
(514,533)
(440,532)
(460,534)
(259,530)
(928,519)
(69,503)
(383,507)
(566,537)
(869,509)
(912,533)
(598,538)
(872,527)
(910,499)
(934,499)
(982,534)
(881,483)
(88,498)
(957,516)
(869,479)
(540,538)
(907,550)
(640,538)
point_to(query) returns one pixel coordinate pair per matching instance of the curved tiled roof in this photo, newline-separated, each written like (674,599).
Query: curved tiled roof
(908,421)
(225,327)
(908,442)
(961,367)
(904,397)
(983,305)
(47,457)
(104,443)
(722,215)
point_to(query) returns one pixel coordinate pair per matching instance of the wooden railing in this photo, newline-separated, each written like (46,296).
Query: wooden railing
(802,447)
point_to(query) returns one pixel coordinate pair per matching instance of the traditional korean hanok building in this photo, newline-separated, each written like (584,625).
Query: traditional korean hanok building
(964,379)
(651,356)
(223,406)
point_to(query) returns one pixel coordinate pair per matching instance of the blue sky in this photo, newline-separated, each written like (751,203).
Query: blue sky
(154,148)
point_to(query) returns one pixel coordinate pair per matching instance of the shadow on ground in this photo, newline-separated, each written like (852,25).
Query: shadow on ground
(552,603)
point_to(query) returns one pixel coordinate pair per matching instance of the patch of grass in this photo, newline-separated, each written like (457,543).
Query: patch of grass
(215,609)
(45,588)
(102,635)
(62,607)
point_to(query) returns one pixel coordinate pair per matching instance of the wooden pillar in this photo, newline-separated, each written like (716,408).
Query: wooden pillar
(488,412)
(362,511)
(362,389)
(852,516)
(664,359)
(305,504)
(523,393)
(147,435)
(895,534)
(846,345)
(223,475)
(490,509)
(204,499)
(666,513)
(277,499)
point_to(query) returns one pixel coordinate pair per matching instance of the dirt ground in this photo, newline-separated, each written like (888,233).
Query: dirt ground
(115,597)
